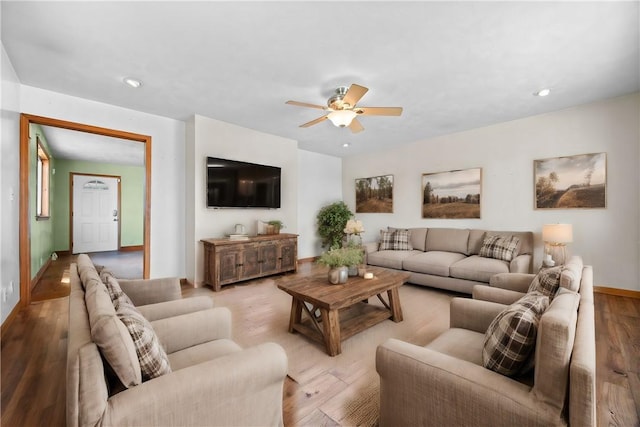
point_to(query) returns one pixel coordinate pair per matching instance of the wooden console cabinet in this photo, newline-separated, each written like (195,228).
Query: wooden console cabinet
(228,261)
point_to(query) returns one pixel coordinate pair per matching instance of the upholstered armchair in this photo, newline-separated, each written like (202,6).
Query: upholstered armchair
(446,383)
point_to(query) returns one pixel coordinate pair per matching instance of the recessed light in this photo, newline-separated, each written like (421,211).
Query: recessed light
(543,92)
(135,83)
(345,145)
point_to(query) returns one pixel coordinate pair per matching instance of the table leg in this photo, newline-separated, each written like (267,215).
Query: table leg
(296,313)
(394,303)
(331,325)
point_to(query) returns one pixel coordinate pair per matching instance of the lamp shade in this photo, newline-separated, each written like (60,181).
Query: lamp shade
(341,118)
(557,233)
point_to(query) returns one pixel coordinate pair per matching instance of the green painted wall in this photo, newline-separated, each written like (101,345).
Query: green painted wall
(131,199)
(41,231)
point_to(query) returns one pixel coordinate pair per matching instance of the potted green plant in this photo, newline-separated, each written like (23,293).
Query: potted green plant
(339,260)
(274,226)
(332,220)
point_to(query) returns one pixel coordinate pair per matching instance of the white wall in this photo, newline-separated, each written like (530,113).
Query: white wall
(209,137)
(319,184)
(608,239)
(167,164)
(9,187)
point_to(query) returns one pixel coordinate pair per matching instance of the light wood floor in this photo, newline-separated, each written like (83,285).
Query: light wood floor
(33,352)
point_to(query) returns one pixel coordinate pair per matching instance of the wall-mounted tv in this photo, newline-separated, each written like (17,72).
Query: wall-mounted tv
(234,184)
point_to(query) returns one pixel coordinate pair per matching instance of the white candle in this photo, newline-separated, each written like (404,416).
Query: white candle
(368,275)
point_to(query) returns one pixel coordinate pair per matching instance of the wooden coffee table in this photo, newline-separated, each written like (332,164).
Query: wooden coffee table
(344,309)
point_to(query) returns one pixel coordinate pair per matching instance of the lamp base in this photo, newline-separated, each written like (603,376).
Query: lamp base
(558,252)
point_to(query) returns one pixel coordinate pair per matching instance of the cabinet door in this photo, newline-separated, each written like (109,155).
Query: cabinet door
(250,261)
(269,258)
(229,264)
(288,256)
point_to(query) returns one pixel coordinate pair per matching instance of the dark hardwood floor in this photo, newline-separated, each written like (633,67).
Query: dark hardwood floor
(33,356)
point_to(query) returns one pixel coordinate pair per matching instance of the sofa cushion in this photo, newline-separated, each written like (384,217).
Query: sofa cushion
(511,337)
(202,352)
(499,247)
(389,259)
(433,262)
(448,240)
(152,357)
(460,343)
(547,281)
(397,240)
(477,268)
(111,336)
(572,274)
(417,236)
(87,271)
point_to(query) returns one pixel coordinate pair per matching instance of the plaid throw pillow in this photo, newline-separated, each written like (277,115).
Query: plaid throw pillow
(397,240)
(511,337)
(499,247)
(116,293)
(152,357)
(547,281)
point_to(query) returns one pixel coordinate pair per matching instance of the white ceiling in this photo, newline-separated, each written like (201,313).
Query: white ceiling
(452,65)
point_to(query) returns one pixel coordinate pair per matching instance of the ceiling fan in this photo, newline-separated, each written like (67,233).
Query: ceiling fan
(343,110)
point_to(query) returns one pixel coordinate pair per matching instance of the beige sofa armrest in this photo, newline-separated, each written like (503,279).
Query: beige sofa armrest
(518,282)
(151,291)
(184,331)
(501,296)
(242,389)
(422,387)
(370,247)
(173,308)
(472,314)
(521,264)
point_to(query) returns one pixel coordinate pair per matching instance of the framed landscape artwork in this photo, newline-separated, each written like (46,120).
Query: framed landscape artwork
(375,194)
(571,182)
(452,195)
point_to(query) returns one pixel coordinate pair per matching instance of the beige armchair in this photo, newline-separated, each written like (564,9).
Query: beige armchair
(445,383)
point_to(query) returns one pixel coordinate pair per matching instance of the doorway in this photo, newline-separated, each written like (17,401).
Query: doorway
(26,120)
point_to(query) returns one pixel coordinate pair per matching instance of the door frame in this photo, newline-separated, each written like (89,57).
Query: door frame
(71,200)
(25,245)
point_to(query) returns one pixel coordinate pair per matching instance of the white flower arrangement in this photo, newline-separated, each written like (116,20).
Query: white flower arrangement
(354,227)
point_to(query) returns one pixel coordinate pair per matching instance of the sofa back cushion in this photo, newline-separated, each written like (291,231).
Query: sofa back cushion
(417,236)
(448,240)
(87,271)
(556,334)
(111,336)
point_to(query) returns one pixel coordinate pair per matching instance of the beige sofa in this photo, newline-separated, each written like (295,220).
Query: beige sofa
(212,380)
(448,258)
(445,383)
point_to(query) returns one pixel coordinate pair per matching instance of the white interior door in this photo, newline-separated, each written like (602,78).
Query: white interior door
(95,213)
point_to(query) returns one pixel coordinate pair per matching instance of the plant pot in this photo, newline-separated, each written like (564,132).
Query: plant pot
(338,275)
(353,270)
(272,229)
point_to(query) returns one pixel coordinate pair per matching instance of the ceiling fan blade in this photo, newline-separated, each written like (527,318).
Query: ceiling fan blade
(304,104)
(356,126)
(379,111)
(314,122)
(354,94)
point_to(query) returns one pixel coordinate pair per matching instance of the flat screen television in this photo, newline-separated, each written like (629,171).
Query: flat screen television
(234,184)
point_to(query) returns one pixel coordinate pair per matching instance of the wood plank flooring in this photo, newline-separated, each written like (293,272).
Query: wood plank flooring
(33,354)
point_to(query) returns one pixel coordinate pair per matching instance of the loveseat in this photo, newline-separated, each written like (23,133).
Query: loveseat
(451,258)
(205,378)
(446,382)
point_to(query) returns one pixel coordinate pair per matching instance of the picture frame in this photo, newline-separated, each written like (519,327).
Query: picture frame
(571,182)
(374,194)
(455,194)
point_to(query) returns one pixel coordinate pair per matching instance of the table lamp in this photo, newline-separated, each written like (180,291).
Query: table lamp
(556,237)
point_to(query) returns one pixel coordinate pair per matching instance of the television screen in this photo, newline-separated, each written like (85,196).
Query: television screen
(234,184)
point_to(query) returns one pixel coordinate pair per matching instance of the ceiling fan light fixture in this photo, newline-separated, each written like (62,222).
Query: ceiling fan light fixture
(543,92)
(341,118)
